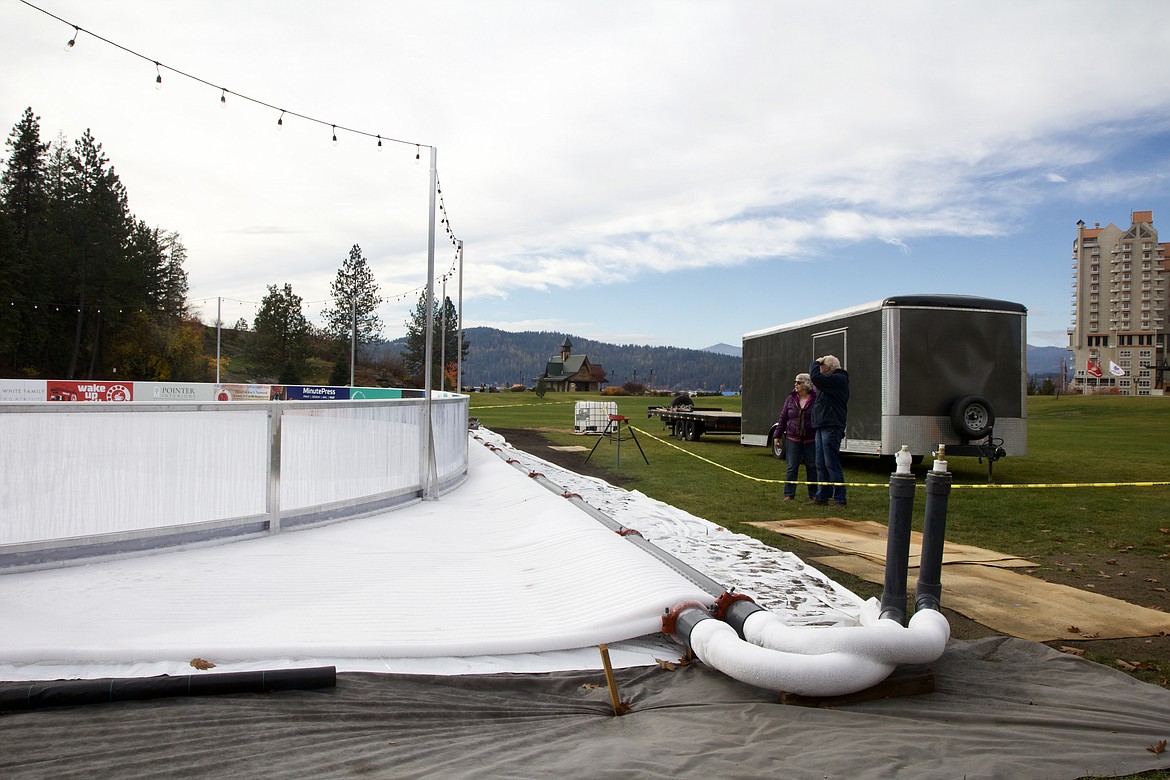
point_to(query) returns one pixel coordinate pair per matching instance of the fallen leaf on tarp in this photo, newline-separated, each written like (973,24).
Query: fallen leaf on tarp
(1093,635)
(199,663)
(669,666)
(1072,650)
(1158,747)
(590,686)
(1074,629)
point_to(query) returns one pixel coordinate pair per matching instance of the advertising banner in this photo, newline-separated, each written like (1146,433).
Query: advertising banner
(316,393)
(22,390)
(165,392)
(61,390)
(359,393)
(244,392)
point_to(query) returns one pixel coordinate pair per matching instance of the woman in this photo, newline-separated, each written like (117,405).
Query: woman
(800,437)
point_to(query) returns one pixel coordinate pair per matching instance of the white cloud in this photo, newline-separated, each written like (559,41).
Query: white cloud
(606,144)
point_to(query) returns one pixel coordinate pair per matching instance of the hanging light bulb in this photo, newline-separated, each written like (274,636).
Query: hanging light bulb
(222,97)
(335,135)
(73,40)
(280,120)
(158,78)
(379,143)
(416,150)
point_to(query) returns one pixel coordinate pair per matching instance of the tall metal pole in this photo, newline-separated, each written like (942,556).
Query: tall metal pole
(218,334)
(428,471)
(459,340)
(353,335)
(443,337)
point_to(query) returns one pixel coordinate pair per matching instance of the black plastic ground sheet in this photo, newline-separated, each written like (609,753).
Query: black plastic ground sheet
(1002,708)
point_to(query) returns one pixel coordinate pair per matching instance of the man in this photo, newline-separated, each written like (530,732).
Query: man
(828,417)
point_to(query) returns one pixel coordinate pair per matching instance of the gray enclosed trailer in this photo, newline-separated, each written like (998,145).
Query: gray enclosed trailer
(923,370)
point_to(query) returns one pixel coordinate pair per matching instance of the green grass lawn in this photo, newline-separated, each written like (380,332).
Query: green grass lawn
(1098,443)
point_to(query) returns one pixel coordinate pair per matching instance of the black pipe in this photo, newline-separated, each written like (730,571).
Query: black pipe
(678,623)
(64,693)
(898,547)
(929,590)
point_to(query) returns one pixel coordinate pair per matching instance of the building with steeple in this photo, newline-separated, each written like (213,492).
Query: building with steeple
(572,373)
(1118,333)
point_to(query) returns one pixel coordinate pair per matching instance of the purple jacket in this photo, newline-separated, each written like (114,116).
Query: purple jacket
(795,421)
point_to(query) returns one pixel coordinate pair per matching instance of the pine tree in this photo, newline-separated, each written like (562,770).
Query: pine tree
(282,334)
(354,292)
(23,210)
(96,289)
(445,321)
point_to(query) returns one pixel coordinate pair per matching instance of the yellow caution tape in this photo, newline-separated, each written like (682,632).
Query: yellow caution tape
(954,486)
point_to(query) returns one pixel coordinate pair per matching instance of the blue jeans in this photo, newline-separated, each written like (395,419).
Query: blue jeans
(796,453)
(829,464)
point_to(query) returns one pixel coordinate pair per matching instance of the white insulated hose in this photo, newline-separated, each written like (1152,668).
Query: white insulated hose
(809,660)
(881,639)
(828,674)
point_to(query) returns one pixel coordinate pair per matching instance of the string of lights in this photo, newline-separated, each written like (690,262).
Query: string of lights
(223,91)
(69,307)
(223,96)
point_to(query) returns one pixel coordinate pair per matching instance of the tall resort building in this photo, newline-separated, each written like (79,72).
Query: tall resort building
(1118,335)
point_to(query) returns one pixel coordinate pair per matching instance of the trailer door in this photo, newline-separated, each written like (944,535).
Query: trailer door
(831,342)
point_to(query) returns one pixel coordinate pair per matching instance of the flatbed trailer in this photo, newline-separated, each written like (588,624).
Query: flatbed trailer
(689,422)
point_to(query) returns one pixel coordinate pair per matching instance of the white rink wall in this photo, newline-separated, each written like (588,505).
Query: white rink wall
(84,479)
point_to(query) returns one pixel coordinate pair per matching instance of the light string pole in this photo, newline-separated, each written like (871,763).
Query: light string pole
(429,475)
(218,334)
(459,340)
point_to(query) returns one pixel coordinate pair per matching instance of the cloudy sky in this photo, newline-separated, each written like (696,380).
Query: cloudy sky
(670,173)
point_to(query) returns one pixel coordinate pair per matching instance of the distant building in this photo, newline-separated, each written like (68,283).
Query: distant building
(1118,334)
(570,372)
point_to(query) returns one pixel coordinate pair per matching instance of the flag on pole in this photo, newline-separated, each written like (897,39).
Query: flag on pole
(1093,367)
(1115,369)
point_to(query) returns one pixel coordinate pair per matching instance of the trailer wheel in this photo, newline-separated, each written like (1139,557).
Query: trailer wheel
(679,429)
(972,416)
(694,430)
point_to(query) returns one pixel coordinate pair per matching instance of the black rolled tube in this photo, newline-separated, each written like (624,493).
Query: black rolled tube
(687,620)
(898,547)
(64,693)
(680,621)
(929,591)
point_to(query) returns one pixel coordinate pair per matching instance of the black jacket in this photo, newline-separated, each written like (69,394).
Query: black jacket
(832,397)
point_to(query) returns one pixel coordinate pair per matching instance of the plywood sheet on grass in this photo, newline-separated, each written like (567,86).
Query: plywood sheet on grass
(1022,606)
(868,539)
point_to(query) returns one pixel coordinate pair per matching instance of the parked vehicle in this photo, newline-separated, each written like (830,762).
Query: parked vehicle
(923,370)
(689,422)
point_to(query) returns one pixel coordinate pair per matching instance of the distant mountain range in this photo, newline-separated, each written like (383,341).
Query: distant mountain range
(503,358)
(499,358)
(724,349)
(1045,360)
